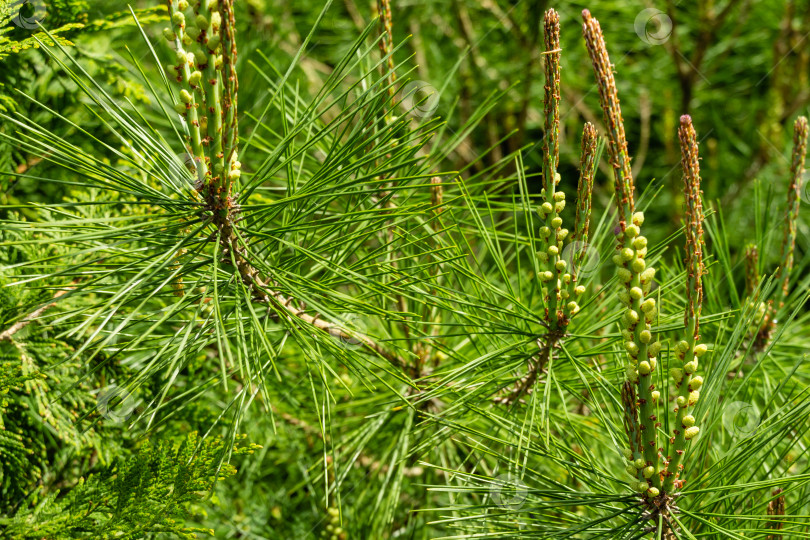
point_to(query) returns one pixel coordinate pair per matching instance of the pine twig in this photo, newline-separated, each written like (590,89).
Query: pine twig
(587,171)
(560,274)
(560,305)
(230,133)
(793,204)
(608,96)
(582,219)
(7,334)
(776,508)
(633,272)
(387,43)
(386,49)
(188,105)
(752,277)
(688,351)
(424,349)
(537,366)
(209,45)
(555,201)
(800,132)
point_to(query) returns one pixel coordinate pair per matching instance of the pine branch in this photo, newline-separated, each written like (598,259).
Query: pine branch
(230,133)
(752,277)
(551,156)
(609,98)
(587,171)
(688,351)
(216,184)
(632,271)
(387,43)
(7,334)
(768,324)
(793,204)
(776,508)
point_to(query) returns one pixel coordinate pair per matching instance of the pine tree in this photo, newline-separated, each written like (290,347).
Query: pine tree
(296,264)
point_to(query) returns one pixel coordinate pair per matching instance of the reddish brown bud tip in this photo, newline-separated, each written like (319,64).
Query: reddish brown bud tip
(614,124)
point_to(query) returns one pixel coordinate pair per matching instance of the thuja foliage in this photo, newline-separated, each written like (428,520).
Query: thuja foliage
(17,17)
(148,493)
(420,352)
(68,466)
(26,25)
(26,70)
